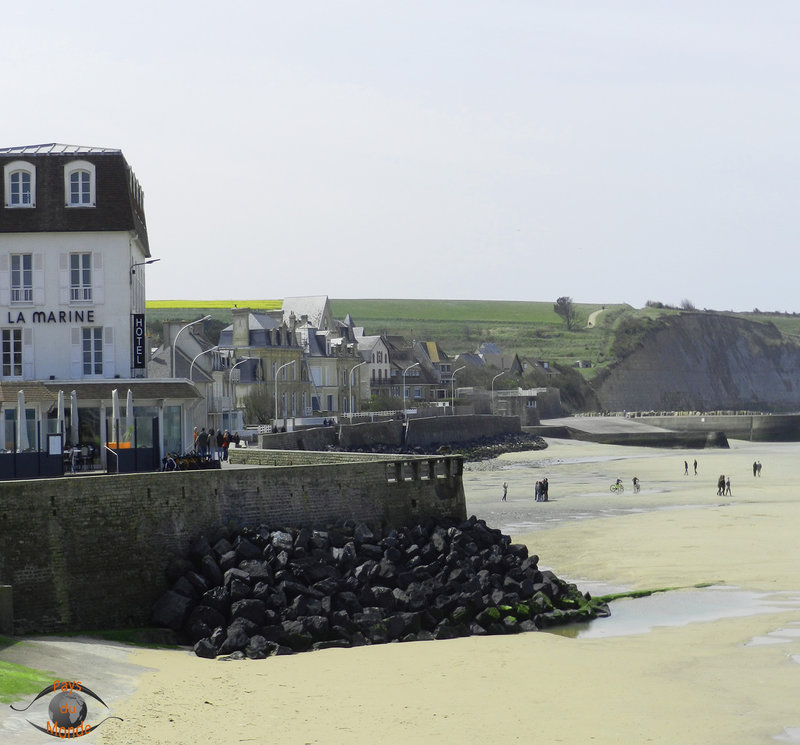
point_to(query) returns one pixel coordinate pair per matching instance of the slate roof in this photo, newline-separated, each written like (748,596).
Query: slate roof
(120,198)
(47,393)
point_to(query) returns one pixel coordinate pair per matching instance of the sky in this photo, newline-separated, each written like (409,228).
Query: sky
(607,150)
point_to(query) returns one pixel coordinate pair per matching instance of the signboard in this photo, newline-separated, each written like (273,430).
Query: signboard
(139,340)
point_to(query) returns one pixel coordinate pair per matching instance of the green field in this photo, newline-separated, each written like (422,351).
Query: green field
(531,329)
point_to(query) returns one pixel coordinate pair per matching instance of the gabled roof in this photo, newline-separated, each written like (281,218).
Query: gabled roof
(470,358)
(315,307)
(435,352)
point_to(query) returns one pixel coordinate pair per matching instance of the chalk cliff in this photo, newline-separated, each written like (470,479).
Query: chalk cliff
(706,362)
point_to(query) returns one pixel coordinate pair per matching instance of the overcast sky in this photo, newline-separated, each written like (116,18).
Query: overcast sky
(612,151)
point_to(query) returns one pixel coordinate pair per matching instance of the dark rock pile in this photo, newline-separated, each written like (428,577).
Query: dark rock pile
(259,592)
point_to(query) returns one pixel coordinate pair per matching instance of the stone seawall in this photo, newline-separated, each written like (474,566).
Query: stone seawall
(91,552)
(417,432)
(755,427)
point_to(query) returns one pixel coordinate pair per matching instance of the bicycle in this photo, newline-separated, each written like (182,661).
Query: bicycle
(617,488)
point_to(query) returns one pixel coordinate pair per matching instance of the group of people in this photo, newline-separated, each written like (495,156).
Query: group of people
(757,468)
(214,445)
(724,486)
(539,491)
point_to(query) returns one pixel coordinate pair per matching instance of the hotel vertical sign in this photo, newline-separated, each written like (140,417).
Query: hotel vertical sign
(139,337)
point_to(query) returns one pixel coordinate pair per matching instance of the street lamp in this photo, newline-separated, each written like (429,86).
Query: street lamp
(493,379)
(276,388)
(175,340)
(351,387)
(205,351)
(453,387)
(230,385)
(142,263)
(405,406)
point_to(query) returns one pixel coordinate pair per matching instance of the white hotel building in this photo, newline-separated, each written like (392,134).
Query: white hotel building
(73,253)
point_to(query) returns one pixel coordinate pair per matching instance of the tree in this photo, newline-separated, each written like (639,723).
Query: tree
(565,308)
(259,405)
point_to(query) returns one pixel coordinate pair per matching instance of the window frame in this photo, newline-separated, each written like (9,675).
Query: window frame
(75,168)
(81,292)
(23,289)
(92,364)
(19,167)
(11,343)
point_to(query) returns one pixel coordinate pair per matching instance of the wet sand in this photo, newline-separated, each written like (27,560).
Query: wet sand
(713,681)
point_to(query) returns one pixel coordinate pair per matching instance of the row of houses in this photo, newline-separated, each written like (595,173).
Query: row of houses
(299,362)
(74,251)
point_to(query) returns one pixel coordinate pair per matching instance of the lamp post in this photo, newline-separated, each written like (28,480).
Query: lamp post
(175,340)
(276,388)
(405,406)
(351,387)
(205,351)
(493,379)
(142,263)
(453,387)
(230,385)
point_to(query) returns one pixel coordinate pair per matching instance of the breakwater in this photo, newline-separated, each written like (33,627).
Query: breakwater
(263,591)
(90,552)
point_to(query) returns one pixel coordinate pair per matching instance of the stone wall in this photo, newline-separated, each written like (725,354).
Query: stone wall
(371,434)
(424,432)
(756,427)
(457,429)
(91,552)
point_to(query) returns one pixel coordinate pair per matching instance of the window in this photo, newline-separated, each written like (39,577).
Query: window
(20,184)
(12,353)
(21,278)
(92,339)
(80,277)
(79,184)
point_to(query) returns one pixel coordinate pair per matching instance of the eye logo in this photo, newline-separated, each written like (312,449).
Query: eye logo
(67,710)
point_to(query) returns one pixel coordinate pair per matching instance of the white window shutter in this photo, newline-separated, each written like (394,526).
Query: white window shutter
(38,279)
(98,284)
(27,354)
(109,367)
(63,279)
(5,280)
(76,354)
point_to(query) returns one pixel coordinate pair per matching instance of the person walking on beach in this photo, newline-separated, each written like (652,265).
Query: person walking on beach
(755,468)
(545,488)
(758,469)
(695,466)
(728,487)
(505,491)
(686,468)
(537,491)
(720,486)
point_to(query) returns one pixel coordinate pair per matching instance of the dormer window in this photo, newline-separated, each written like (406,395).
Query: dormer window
(79,184)
(20,184)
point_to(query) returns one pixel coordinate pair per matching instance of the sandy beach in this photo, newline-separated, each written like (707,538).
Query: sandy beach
(715,665)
